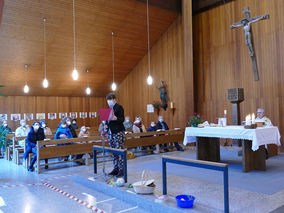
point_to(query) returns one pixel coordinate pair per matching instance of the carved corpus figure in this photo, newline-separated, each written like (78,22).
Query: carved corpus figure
(246,24)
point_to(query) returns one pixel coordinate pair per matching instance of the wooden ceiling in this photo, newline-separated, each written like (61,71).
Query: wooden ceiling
(21,42)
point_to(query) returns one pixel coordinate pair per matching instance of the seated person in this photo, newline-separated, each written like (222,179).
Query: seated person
(68,122)
(163,126)
(83,132)
(22,131)
(74,124)
(260,117)
(153,128)
(138,125)
(46,129)
(35,134)
(63,132)
(127,124)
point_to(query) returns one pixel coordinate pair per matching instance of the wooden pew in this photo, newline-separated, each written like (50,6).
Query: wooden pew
(49,149)
(19,149)
(152,138)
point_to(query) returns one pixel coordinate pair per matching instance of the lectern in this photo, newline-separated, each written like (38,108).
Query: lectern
(236,96)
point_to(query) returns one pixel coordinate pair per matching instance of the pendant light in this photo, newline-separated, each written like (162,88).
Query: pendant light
(75,74)
(26,87)
(113,85)
(45,81)
(88,89)
(149,78)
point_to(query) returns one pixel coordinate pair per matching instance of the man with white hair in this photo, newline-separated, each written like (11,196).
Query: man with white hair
(22,131)
(260,117)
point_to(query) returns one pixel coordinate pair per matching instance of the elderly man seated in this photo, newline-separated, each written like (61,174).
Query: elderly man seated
(260,117)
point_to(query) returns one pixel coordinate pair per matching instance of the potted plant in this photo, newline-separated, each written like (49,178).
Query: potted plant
(157,106)
(194,120)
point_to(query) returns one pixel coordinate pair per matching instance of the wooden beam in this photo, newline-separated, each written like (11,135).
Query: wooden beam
(171,5)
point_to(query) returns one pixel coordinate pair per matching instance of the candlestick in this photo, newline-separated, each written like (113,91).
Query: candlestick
(225,113)
(172,105)
(253,118)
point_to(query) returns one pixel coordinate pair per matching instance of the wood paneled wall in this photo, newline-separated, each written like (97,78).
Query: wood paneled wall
(167,64)
(48,104)
(221,60)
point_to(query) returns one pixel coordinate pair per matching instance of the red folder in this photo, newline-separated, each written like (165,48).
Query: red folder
(106,114)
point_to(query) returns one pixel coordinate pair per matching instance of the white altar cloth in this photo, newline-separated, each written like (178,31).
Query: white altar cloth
(259,136)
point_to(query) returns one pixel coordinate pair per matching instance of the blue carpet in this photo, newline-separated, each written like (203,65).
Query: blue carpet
(265,182)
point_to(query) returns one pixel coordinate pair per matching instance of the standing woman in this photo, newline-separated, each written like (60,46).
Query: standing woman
(36,134)
(115,133)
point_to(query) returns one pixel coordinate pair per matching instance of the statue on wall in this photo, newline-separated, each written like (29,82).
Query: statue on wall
(163,95)
(245,23)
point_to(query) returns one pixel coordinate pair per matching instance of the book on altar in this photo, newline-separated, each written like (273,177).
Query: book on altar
(106,114)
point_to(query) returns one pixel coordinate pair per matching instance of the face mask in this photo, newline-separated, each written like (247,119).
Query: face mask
(84,130)
(137,121)
(68,123)
(127,120)
(63,126)
(5,125)
(43,125)
(36,127)
(23,124)
(152,125)
(161,120)
(110,103)
(74,122)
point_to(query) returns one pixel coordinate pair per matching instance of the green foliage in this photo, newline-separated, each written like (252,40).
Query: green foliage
(194,120)
(156,105)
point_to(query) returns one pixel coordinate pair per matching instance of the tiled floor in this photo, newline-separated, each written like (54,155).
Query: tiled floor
(17,194)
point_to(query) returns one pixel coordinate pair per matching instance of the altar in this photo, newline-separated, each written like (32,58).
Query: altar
(253,143)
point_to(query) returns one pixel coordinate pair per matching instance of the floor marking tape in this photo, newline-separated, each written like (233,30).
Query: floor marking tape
(74,198)
(20,185)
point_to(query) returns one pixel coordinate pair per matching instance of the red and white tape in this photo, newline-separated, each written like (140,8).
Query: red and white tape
(93,208)
(19,185)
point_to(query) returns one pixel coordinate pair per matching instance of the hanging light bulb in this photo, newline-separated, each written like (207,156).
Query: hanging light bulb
(45,81)
(113,86)
(26,89)
(88,90)
(149,78)
(75,74)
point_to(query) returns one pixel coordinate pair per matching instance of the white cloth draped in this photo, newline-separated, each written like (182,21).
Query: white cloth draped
(259,136)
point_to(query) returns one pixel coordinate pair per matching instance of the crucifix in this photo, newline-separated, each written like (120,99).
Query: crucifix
(245,23)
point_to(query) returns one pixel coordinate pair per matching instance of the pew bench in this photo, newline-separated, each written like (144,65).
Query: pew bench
(135,140)
(64,147)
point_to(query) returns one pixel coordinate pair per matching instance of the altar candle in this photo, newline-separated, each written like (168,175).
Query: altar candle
(225,113)
(172,105)
(253,118)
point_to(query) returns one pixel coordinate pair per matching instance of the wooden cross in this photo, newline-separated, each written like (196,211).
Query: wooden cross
(245,23)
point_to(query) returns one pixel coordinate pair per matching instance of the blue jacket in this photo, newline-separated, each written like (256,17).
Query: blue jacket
(60,130)
(152,129)
(33,136)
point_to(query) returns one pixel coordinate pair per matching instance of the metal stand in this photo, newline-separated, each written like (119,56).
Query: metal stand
(104,173)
